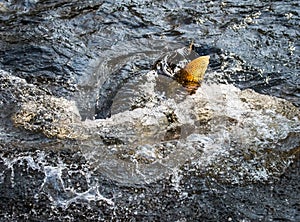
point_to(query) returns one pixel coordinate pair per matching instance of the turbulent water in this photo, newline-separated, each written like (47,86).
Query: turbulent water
(92,131)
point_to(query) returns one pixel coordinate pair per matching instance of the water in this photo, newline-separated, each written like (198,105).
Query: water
(102,137)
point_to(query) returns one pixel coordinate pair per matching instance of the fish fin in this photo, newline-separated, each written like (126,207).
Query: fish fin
(194,71)
(196,68)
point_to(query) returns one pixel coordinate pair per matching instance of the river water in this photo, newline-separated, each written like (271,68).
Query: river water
(91,131)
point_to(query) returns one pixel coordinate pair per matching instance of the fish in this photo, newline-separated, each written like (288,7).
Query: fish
(183,65)
(194,71)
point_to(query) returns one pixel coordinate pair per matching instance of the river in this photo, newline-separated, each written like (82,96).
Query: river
(91,131)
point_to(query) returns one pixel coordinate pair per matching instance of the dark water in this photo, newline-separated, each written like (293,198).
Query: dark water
(97,53)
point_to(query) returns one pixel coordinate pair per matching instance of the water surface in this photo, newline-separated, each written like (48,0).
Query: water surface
(231,155)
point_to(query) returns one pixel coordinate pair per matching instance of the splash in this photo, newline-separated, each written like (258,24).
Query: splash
(56,183)
(155,137)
